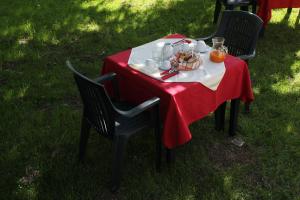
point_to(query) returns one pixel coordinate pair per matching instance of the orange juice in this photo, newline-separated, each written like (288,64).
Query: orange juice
(217,56)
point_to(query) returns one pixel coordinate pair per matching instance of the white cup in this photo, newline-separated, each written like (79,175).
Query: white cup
(201,46)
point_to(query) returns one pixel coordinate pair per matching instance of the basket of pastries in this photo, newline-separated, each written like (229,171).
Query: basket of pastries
(186,61)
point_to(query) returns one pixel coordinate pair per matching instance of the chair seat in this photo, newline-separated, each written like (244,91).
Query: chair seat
(128,126)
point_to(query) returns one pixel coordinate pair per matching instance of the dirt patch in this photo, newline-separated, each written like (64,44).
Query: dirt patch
(73,101)
(226,154)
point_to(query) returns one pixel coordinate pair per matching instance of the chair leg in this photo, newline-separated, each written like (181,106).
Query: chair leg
(262,32)
(254,4)
(158,138)
(84,135)
(220,117)
(234,111)
(217,11)
(247,107)
(117,165)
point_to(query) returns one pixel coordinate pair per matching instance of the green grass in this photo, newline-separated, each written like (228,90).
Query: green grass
(40,108)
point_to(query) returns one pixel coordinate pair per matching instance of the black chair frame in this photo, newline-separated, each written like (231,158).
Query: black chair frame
(112,122)
(239,43)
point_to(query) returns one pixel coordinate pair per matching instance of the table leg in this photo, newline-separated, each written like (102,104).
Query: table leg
(289,10)
(247,108)
(262,32)
(220,117)
(170,155)
(234,111)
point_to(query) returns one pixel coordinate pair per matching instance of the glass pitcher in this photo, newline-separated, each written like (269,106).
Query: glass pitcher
(219,52)
(218,44)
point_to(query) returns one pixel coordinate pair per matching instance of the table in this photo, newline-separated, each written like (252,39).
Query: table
(181,103)
(266,6)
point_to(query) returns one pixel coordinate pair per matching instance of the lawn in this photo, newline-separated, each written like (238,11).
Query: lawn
(40,108)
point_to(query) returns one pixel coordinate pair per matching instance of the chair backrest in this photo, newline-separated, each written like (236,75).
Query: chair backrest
(234,2)
(241,31)
(98,109)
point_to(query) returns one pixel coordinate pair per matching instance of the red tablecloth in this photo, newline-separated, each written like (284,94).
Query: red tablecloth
(266,6)
(181,103)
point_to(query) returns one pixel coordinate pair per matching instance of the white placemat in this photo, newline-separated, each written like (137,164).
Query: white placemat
(209,73)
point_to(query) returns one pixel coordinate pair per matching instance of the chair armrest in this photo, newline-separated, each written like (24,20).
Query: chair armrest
(110,77)
(105,77)
(248,56)
(140,108)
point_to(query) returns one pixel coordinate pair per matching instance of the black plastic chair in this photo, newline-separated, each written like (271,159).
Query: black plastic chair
(241,31)
(111,121)
(231,4)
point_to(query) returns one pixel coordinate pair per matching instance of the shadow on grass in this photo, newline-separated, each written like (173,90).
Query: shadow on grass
(42,121)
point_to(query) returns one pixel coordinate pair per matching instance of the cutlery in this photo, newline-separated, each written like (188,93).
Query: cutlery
(169,75)
(168,71)
(180,41)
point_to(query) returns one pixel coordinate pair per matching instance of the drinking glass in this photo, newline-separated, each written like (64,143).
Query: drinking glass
(156,54)
(157,51)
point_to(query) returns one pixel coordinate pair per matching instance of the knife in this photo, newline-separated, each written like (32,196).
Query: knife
(168,71)
(169,75)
